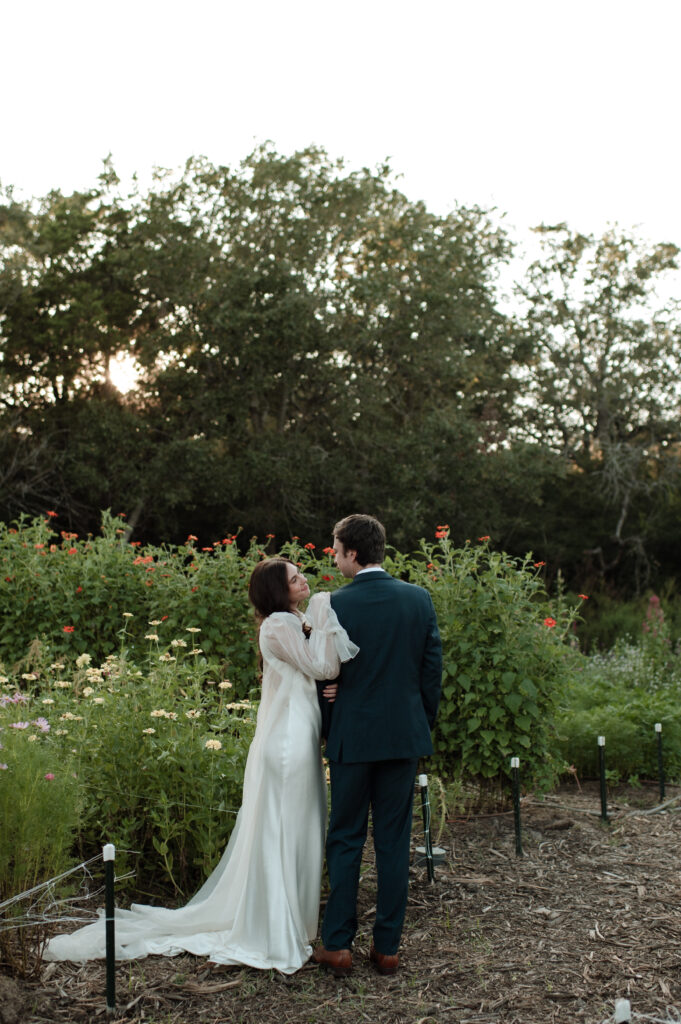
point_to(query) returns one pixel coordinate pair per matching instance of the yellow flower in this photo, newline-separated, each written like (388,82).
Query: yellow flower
(213,745)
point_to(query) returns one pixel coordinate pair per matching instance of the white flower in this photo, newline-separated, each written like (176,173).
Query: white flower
(197,650)
(192,629)
(194,713)
(32,738)
(128,615)
(178,643)
(156,622)
(61,732)
(167,657)
(148,732)
(225,685)
(47,700)
(97,700)
(4,679)
(30,676)
(213,745)
(58,665)
(83,659)
(87,691)
(62,684)
(151,636)
(159,713)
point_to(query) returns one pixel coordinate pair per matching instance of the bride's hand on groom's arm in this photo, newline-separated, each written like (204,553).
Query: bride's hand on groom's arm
(330,691)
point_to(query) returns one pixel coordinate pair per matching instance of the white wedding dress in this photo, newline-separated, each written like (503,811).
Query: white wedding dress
(260,906)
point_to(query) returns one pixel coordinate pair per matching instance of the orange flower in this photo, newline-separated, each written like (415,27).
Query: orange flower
(538,564)
(51,514)
(329,551)
(550,623)
(309,547)
(191,537)
(69,629)
(73,551)
(584,597)
(483,538)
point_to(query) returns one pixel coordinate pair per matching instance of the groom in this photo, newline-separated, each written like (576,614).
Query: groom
(385,708)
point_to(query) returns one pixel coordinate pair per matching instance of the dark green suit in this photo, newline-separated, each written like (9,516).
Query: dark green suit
(380,725)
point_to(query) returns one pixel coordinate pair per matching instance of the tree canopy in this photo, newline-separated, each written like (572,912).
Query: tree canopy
(310,341)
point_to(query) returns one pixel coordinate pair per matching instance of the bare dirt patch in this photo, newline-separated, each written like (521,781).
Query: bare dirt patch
(590,913)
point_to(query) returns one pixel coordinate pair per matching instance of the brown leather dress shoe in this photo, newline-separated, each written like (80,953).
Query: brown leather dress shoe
(338,961)
(383,962)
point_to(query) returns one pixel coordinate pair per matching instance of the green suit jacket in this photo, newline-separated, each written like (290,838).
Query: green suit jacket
(389,694)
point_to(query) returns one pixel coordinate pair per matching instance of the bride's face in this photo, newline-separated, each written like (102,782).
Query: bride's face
(298,589)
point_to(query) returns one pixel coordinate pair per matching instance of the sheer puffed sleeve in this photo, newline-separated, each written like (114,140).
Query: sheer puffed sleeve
(323,619)
(282,637)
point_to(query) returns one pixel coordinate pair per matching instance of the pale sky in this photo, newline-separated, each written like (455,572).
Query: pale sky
(546,109)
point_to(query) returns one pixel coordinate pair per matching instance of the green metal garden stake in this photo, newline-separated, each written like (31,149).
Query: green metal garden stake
(660,762)
(515,768)
(109,855)
(601,764)
(425,807)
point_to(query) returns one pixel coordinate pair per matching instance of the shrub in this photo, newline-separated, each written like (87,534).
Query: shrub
(506,662)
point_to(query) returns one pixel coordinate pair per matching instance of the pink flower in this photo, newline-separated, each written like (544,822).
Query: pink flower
(49,776)
(3,767)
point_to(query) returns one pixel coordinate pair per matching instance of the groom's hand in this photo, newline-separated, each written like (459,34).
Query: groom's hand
(330,691)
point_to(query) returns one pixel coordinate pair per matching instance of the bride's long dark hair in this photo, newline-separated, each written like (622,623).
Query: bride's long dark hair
(268,587)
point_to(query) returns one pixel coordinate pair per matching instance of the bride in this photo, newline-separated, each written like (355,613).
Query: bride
(260,905)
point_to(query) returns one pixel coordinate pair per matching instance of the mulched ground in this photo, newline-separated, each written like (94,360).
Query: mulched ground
(589,914)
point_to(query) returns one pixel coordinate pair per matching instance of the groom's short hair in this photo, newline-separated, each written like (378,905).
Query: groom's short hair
(363,534)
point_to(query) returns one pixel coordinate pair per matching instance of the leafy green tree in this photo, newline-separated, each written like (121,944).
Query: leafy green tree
(602,392)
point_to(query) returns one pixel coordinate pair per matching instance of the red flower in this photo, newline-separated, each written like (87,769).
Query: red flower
(440,534)
(483,538)
(73,551)
(550,623)
(270,536)
(191,537)
(69,629)
(295,538)
(538,564)
(430,566)
(79,590)
(163,618)
(329,551)
(228,540)
(309,547)
(206,549)
(327,578)
(194,589)
(38,546)
(584,597)
(8,579)
(51,514)
(122,515)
